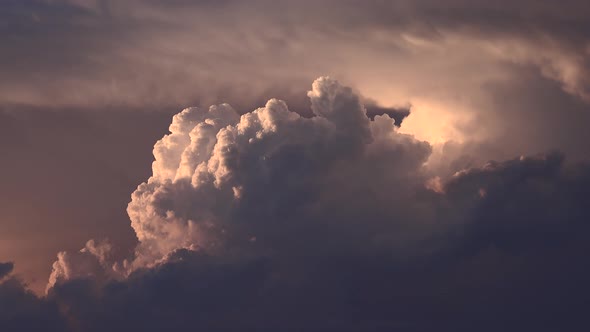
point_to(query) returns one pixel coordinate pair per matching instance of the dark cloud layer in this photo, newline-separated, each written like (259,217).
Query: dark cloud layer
(517,263)
(21,310)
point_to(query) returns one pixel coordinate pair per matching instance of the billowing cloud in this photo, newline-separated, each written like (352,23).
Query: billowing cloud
(223,182)
(330,222)
(93,261)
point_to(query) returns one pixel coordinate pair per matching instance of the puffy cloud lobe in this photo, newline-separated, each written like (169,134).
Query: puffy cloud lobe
(190,142)
(91,262)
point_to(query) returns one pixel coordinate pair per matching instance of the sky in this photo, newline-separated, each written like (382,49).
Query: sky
(328,165)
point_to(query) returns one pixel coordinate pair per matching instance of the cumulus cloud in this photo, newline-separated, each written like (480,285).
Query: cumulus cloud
(226,184)
(220,179)
(93,261)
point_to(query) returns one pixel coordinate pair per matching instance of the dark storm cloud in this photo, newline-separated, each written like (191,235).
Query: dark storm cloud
(396,113)
(21,310)
(213,291)
(517,264)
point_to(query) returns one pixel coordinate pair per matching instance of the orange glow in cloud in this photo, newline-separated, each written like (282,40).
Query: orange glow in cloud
(434,123)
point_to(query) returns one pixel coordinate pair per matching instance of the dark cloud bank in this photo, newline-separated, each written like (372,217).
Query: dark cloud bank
(271,221)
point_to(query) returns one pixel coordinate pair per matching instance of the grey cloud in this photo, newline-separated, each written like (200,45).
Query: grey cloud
(517,263)
(142,50)
(396,113)
(21,310)
(5,269)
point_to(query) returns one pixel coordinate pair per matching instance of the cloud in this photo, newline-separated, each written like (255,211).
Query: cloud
(513,262)
(434,48)
(218,174)
(316,204)
(448,60)
(21,310)
(224,183)
(5,269)
(272,220)
(94,261)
